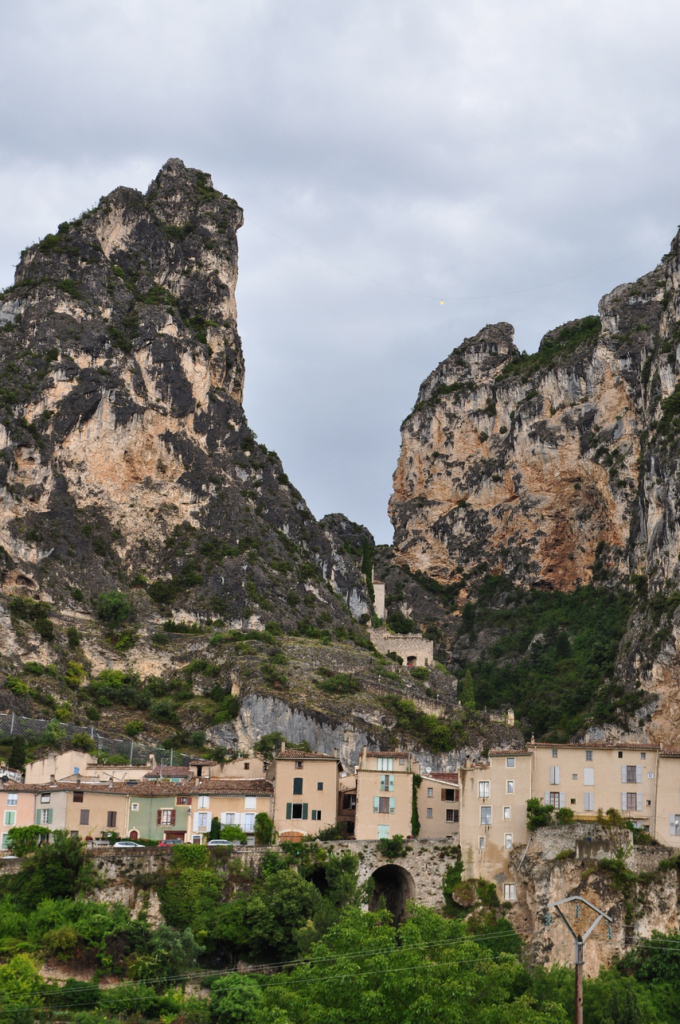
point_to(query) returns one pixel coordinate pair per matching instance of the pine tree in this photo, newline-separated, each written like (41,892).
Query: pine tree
(467,692)
(17,757)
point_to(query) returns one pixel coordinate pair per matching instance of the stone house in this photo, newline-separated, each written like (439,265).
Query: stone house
(305,792)
(384,794)
(414,650)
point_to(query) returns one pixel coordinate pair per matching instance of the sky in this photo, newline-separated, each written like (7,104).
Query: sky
(410,170)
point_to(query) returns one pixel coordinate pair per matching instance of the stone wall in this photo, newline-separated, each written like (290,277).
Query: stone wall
(406,645)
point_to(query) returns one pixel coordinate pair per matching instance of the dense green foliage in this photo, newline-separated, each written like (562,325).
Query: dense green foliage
(554,656)
(555,346)
(436,734)
(113,607)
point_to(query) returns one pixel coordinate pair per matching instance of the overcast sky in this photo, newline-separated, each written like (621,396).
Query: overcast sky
(513,160)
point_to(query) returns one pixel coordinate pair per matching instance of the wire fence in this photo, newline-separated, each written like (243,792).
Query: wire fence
(36,729)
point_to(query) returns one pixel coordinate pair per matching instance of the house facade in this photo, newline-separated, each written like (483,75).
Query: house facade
(305,792)
(384,794)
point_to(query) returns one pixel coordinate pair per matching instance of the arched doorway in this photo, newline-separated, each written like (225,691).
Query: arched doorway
(396,885)
(134,834)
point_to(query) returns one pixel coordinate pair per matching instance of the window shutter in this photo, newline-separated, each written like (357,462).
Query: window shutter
(563,799)
(639,801)
(588,776)
(623,773)
(223,818)
(158,817)
(289,810)
(443,794)
(49,816)
(376,804)
(638,774)
(547,798)
(671,825)
(557,775)
(623,802)
(391,805)
(391,783)
(304,812)
(37,817)
(172,816)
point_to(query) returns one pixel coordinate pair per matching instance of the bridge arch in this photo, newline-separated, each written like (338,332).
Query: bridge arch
(396,884)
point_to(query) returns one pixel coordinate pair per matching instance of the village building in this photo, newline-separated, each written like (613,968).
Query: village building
(231,801)
(439,806)
(305,792)
(384,795)
(413,649)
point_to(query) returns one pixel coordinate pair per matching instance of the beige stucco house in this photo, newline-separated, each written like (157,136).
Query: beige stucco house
(305,792)
(384,795)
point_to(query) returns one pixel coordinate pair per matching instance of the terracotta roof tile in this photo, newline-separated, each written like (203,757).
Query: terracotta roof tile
(302,755)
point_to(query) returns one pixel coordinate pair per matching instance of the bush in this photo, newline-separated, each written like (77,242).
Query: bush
(234,833)
(420,673)
(264,829)
(17,687)
(134,728)
(341,684)
(113,607)
(35,612)
(330,834)
(399,623)
(564,816)
(73,637)
(17,756)
(392,848)
(538,815)
(81,741)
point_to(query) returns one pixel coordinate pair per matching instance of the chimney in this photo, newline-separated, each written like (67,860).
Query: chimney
(283,746)
(53,779)
(362,759)
(468,763)
(336,752)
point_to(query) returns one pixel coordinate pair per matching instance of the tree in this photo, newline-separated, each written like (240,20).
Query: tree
(538,815)
(113,607)
(26,839)
(20,988)
(215,828)
(264,829)
(268,744)
(57,871)
(236,1000)
(17,755)
(467,692)
(233,833)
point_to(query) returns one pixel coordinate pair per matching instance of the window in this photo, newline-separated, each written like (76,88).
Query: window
(111,819)
(508,841)
(510,786)
(589,755)
(246,766)
(428,813)
(506,814)
(643,757)
(203,819)
(204,801)
(228,819)
(650,775)
(649,803)
(385,764)
(297,811)
(183,801)
(484,790)
(631,773)
(554,800)
(250,822)
(45,816)
(485,816)
(509,892)
(387,783)
(316,815)
(10,817)
(11,799)
(554,775)
(297,787)
(134,807)
(401,760)
(675,825)
(620,753)
(76,770)
(631,801)
(451,815)
(5,841)
(482,842)
(84,817)
(298,766)
(44,798)
(555,752)
(383,805)
(509,762)
(588,801)
(77,797)
(572,800)
(319,785)
(574,776)
(430,792)
(450,794)
(349,801)
(588,776)
(166,816)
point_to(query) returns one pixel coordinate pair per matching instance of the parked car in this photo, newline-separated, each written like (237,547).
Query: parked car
(171,842)
(219,842)
(128,842)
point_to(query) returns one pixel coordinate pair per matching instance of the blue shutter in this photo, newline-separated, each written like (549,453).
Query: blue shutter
(391,783)
(304,812)
(289,810)
(391,805)
(376,804)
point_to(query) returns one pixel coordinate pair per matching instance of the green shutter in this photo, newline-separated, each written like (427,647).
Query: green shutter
(376,804)
(49,815)
(391,805)
(289,810)
(37,816)
(304,812)
(391,783)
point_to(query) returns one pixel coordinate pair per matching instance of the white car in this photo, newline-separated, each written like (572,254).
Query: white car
(219,842)
(128,843)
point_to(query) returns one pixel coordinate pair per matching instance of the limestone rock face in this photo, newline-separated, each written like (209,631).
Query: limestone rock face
(124,448)
(553,468)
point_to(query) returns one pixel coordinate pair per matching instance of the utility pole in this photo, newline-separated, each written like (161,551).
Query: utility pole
(579,943)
